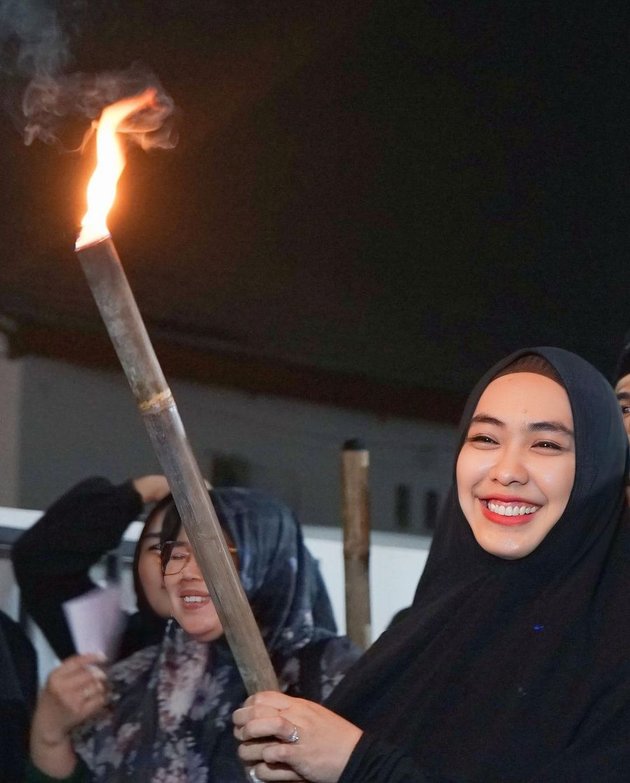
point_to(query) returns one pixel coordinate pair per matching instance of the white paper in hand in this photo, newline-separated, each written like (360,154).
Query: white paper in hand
(97,621)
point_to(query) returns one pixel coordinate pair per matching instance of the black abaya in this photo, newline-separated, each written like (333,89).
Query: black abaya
(512,671)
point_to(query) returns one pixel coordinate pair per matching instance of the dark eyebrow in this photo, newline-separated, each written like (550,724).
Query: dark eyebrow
(482,418)
(624,395)
(151,535)
(550,426)
(535,426)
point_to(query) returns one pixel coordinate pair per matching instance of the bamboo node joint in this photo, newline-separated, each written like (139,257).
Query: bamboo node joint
(158,402)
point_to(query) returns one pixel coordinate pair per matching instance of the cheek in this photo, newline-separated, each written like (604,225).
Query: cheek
(464,484)
(460,472)
(556,482)
(169,589)
(470,469)
(149,569)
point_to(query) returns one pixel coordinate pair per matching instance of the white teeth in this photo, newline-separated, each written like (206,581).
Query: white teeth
(193,599)
(507,510)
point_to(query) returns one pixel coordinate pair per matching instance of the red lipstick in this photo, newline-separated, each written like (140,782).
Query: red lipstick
(503,519)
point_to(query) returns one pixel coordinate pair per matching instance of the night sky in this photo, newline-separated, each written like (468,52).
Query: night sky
(404,191)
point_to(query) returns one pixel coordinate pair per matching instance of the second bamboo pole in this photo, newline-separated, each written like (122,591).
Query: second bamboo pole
(355,461)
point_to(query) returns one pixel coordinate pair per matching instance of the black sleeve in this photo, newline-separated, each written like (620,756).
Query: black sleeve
(52,559)
(373,761)
(13,740)
(23,661)
(81,774)
(18,691)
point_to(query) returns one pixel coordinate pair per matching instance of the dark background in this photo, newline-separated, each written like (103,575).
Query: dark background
(370,203)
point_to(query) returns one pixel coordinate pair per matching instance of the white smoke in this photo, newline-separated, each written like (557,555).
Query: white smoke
(31,39)
(34,47)
(49,99)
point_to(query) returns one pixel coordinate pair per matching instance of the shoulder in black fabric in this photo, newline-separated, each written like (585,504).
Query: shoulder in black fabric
(515,669)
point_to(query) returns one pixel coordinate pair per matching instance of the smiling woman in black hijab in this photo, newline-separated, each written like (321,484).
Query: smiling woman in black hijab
(513,665)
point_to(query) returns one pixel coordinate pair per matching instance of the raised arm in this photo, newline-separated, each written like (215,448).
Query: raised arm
(52,559)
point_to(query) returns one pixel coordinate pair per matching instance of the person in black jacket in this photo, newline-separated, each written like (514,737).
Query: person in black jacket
(52,559)
(18,691)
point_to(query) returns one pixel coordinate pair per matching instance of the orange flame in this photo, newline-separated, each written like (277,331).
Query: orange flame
(110,162)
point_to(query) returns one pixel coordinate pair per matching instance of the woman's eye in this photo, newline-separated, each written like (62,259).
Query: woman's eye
(178,556)
(482,440)
(625,410)
(154,548)
(548,444)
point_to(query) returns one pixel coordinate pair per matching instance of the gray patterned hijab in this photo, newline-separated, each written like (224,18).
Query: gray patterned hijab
(169,717)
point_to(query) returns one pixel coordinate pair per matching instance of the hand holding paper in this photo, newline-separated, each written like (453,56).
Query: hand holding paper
(97,621)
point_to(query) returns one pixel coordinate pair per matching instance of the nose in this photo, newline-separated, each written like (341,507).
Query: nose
(191,569)
(509,467)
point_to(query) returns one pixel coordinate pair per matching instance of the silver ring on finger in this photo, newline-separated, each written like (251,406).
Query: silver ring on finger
(294,736)
(253,776)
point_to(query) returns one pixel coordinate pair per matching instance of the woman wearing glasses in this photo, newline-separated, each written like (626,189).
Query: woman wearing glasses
(164,713)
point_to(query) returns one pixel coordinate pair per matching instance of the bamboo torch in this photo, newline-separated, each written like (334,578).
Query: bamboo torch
(115,301)
(355,460)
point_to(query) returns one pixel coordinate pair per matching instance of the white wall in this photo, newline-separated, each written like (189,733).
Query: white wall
(396,563)
(77,422)
(62,423)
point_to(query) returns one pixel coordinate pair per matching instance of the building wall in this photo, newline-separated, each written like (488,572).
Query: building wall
(61,423)
(76,422)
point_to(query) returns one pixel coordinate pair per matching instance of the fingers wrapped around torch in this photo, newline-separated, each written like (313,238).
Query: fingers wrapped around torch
(287,739)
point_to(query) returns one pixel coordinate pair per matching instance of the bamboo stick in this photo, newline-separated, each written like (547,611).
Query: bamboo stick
(118,308)
(356,541)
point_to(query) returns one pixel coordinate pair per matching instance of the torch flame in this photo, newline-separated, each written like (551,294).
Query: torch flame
(110,162)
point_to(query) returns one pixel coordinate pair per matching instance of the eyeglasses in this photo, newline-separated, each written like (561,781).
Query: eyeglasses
(175,556)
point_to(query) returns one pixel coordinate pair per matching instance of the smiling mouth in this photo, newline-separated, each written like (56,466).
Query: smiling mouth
(510,509)
(508,512)
(194,600)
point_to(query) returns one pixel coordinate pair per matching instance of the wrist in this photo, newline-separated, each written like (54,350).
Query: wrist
(49,734)
(51,738)
(52,753)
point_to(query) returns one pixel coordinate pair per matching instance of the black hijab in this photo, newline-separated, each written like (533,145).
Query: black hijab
(517,670)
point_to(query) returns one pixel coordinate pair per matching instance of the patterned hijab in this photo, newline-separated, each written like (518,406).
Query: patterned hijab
(516,670)
(169,717)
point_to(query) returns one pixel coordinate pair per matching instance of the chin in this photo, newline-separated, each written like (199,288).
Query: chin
(506,550)
(208,636)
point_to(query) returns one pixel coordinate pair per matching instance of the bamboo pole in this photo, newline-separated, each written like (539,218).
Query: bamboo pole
(355,461)
(118,308)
